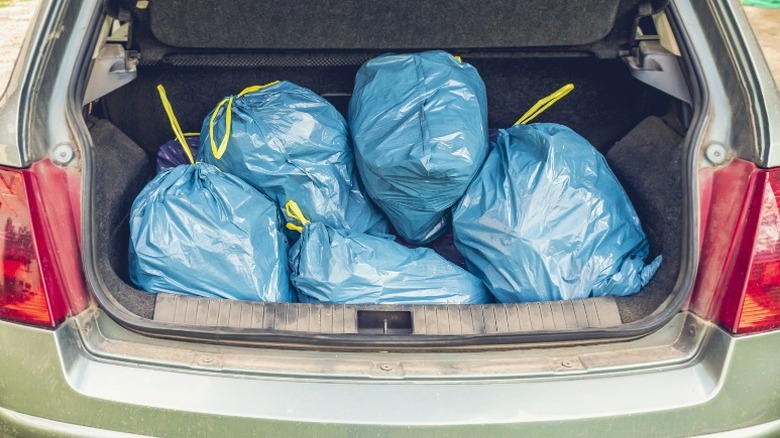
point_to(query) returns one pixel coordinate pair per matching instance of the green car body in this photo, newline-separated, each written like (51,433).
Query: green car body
(77,381)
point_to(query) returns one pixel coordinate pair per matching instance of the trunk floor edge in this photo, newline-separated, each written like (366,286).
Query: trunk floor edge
(600,312)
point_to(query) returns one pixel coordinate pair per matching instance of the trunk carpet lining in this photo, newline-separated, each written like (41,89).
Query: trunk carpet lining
(606,106)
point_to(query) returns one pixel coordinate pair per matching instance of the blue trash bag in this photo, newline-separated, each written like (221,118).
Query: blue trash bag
(290,143)
(331,266)
(197,231)
(546,220)
(419,126)
(171,154)
(444,245)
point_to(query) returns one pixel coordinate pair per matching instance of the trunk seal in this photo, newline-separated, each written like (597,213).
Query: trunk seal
(635,329)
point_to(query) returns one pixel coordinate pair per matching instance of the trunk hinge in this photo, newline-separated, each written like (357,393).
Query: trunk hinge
(112,68)
(112,65)
(655,61)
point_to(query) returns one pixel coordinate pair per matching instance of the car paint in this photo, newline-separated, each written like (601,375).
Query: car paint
(725,383)
(747,57)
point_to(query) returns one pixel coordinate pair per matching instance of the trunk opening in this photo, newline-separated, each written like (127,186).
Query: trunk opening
(639,129)
(201,57)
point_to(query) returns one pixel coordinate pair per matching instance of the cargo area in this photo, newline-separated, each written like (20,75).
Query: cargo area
(640,130)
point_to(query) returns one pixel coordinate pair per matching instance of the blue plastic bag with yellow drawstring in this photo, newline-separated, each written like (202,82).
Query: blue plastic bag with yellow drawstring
(195,230)
(328,265)
(290,143)
(419,125)
(546,219)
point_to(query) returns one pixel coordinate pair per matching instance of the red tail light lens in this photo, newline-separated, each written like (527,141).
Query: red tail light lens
(752,302)
(25,294)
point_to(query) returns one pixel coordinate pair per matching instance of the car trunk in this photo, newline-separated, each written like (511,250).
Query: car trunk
(640,130)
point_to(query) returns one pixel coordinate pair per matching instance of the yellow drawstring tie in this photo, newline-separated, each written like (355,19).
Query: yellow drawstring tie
(175,123)
(294,213)
(544,103)
(253,88)
(218,151)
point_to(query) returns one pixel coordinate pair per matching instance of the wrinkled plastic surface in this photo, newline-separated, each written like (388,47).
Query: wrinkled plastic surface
(290,143)
(444,245)
(419,125)
(171,154)
(330,266)
(546,220)
(197,231)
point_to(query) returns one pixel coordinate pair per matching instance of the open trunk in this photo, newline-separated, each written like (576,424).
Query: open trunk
(640,129)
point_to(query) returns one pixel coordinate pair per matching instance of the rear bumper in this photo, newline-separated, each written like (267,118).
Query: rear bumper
(52,384)
(27,425)
(15,424)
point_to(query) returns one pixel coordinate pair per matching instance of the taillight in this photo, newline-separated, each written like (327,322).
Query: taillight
(751,297)
(29,289)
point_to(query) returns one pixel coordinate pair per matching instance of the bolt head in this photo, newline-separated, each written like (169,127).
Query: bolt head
(62,154)
(716,153)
